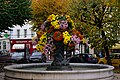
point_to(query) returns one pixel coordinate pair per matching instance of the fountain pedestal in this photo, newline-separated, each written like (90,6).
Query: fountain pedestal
(56,65)
(59,63)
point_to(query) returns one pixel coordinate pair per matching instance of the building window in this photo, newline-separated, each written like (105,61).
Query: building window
(0,45)
(18,33)
(25,32)
(32,34)
(4,44)
(11,34)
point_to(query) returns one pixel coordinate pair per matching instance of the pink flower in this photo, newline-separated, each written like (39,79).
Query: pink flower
(63,24)
(43,26)
(75,39)
(35,41)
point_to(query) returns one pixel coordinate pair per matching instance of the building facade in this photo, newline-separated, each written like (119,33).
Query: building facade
(18,39)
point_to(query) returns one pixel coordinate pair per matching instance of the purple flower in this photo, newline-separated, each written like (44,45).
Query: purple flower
(48,47)
(46,51)
(43,26)
(35,41)
(75,39)
(63,24)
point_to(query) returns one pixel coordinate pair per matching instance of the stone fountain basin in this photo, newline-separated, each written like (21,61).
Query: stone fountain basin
(37,71)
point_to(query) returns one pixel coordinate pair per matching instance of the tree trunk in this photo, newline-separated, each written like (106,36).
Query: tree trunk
(108,56)
(106,49)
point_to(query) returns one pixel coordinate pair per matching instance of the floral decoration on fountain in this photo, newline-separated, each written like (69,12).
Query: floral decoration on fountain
(56,32)
(56,28)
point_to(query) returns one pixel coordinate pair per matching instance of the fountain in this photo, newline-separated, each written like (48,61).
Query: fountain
(37,71)
(53,35)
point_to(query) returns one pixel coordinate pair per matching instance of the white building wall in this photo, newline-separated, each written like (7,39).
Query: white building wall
(14,32)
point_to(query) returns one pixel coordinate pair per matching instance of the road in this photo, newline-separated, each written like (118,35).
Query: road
(117,77)
(2,76)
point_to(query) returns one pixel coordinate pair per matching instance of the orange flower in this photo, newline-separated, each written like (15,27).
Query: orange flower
(71,44)
(78,33)
(81,36)
(50,30)
(57,36)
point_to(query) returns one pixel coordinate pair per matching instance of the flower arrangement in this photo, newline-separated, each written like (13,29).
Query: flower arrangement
(57,28)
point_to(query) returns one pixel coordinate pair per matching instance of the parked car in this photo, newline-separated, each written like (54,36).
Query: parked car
(115,60)
(37,57)
(4,52)
(75,59)
(5,57)
(83,58)
(18,57)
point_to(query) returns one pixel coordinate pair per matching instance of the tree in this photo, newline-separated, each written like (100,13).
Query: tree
(43,8)
(99,20)
(14,12)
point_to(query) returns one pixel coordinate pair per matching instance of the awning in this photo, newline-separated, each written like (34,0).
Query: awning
(117,46)
(18,46)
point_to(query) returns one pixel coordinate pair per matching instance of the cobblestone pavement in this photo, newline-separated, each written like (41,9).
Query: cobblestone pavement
(116,77)
(2,76)
(2,69)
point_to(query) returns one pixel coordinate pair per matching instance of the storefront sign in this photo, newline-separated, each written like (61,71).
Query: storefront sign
(20,41)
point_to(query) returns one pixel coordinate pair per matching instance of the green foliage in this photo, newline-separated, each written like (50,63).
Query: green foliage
(99,20)
(14,12)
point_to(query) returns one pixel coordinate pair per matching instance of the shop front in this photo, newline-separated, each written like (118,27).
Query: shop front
(21,45)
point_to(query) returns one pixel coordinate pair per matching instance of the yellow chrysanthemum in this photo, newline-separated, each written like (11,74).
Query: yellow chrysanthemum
(56,16)
(51,17)
(66,37)
(72,23)
(43,39)
(66,40)
(40,47)
(73,29)
(68,18)
(41,42)
(84,41)
(55,24)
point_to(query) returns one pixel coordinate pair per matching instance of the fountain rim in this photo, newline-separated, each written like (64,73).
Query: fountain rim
(15,68)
